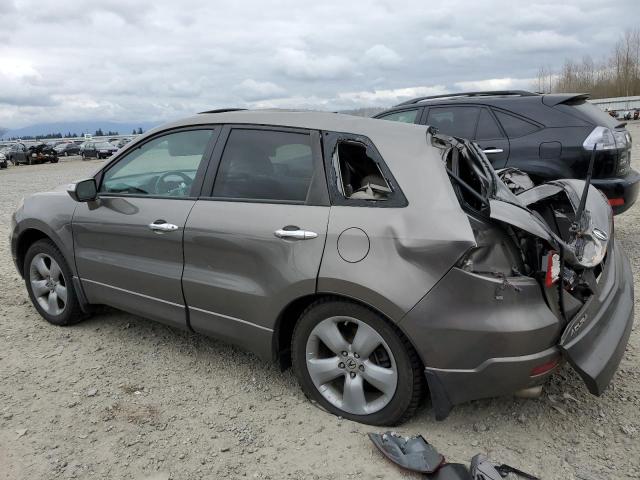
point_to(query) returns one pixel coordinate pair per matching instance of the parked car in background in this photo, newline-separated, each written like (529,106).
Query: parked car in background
(21,153)
(98,150)
(66,149)
(548,136)
(40,152)
(373,256)
(4,162)
(121,142)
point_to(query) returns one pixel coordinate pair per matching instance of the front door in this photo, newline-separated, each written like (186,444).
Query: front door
(128,243)
(255,244)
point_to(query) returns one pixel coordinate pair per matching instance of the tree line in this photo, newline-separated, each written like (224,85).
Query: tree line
(98,133)
(616,75)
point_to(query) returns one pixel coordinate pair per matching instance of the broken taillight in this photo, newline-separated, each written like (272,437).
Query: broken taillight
(553,268)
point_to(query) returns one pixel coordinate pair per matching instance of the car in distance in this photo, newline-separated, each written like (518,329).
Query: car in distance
(375,257)
(548,136)
(66,149)
(4,163)
(31,154)
(98,150)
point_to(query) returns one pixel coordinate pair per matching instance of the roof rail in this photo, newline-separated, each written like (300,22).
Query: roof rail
(494,93)
(222,110)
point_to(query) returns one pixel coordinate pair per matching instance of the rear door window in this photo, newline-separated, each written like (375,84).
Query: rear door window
(515,126)
(405,116)
(455,121)
(487,129)
(265,165)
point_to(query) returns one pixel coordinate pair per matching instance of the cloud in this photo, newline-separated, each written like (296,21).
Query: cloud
(543,41)
(389,96)
(495,84)
(251,89)
(300,64)
(81,59)
(382,56)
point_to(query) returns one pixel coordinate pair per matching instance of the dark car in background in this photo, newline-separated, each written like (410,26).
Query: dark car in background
(548,136)
(98,150)
(66,149)
(30,154)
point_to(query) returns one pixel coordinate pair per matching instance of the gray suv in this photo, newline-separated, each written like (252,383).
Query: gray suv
(380,259)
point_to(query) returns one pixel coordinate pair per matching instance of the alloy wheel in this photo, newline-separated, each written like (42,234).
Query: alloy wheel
(48,284)
(351,365)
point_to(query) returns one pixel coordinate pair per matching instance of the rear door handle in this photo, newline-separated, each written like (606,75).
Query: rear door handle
(161,226)
(295,233)
(492,150)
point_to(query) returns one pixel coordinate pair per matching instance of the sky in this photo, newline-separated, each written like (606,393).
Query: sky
(125,60)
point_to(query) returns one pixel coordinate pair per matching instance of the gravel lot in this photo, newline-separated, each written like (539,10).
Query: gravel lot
(119,396)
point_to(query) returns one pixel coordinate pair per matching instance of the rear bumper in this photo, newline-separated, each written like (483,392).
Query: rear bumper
(623,189)
(595,340)
(476,347)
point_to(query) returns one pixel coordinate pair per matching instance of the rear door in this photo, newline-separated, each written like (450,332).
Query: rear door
(128,243)
(253,243)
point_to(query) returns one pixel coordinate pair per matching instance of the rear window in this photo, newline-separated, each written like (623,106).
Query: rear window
(591,113)
(515,126)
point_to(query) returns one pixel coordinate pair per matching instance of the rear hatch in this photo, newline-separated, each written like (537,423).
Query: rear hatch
(609,135)
(563,230)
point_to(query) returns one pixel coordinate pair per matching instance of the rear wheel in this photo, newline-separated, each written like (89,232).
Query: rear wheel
(355,364)
(48,280)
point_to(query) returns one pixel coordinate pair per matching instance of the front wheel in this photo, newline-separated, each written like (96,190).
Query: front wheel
(355,364)
(48,280)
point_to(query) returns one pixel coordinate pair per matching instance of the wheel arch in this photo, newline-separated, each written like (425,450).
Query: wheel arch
(288,318)
(28,237)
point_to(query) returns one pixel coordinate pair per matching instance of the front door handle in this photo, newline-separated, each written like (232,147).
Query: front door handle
(295,233)
(161,226)
(491,150)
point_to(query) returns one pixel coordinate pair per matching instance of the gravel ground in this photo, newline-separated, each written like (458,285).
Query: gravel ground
(119,396)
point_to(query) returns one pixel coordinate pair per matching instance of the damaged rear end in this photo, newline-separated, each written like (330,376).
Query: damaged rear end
(557,236)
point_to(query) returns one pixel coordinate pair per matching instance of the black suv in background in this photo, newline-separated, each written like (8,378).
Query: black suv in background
(548,136)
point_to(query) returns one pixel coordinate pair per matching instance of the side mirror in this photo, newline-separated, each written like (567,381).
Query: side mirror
(84,190)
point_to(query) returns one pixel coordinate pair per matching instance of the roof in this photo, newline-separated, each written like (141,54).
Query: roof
(336,122)
(471,95)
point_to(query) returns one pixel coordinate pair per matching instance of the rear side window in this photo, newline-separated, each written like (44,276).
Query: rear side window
(455,121)
(590,113)
(487,127)
(359,175)
(405,116)
(265,165)
(515,126)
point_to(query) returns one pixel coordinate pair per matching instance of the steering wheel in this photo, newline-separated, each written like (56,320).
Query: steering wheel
(162,186)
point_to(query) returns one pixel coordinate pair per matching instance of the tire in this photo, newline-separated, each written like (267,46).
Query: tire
(39,271)
(55,160)
(397,367)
